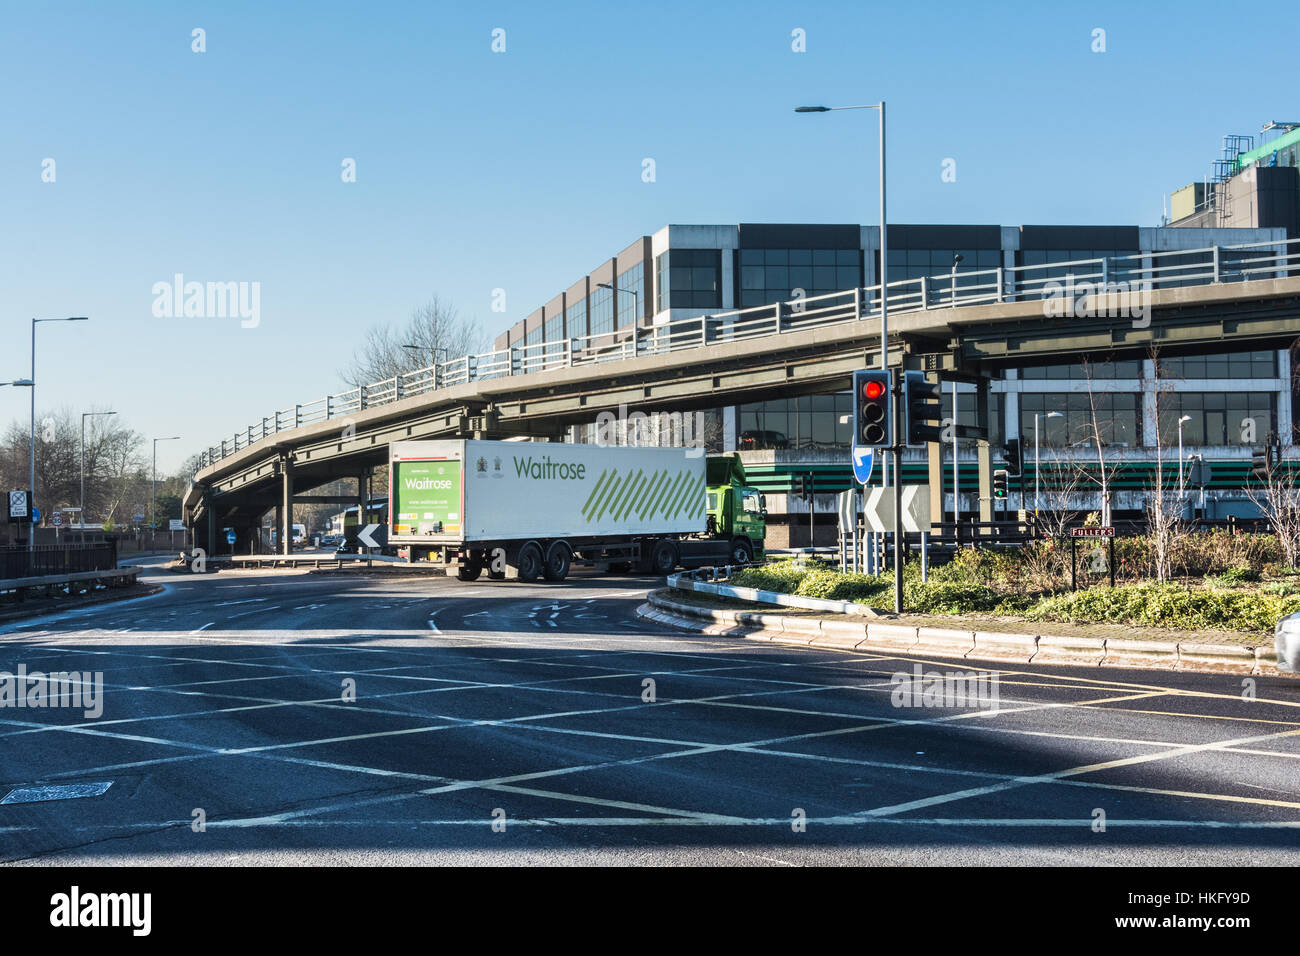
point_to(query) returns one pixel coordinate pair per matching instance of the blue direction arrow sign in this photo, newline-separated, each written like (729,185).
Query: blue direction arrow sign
(36,515)
(863,460)
(230,537)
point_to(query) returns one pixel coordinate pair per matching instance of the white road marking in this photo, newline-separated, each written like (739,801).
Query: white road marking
(203,628)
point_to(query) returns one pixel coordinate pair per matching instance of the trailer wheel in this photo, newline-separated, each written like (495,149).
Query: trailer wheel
(469,572)
(529,562)
(741,551)
(558,560)
(665,558)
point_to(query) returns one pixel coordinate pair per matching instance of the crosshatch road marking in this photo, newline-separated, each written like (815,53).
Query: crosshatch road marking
(580,667)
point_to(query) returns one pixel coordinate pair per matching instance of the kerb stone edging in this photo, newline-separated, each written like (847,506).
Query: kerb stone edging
(876,635)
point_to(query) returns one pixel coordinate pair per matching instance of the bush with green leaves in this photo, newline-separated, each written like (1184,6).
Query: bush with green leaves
(1168,605)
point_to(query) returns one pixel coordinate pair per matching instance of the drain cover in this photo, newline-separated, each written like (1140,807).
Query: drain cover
(68,791)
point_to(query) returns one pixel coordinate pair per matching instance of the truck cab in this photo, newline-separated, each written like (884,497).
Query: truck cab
(734,508)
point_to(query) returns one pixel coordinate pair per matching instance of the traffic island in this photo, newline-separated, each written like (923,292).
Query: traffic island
(883,634)
(23,598)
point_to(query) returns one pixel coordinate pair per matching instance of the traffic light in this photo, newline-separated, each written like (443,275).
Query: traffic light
(803,487)
(922,410)
(1011,455)
(872,418)
(1000,483)
(1259,463)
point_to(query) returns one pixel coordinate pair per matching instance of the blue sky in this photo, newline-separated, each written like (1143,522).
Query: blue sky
(522,170)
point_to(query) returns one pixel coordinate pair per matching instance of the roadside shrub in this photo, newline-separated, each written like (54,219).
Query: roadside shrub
(1168,605)
(783,577)
(1234,576)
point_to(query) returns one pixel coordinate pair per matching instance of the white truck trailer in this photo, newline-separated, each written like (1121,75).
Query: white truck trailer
(527,509)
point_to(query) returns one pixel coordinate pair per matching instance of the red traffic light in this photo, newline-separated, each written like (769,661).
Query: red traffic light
(873,390)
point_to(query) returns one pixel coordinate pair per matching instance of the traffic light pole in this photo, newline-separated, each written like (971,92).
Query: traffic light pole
(899,439)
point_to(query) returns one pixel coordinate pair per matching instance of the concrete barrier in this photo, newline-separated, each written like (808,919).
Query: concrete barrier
(1070,650)
(1145,653)
(944,642)
(1016,647)
(876,636)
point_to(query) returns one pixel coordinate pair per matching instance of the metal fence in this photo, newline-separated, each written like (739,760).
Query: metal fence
(1115,276)
(57,559)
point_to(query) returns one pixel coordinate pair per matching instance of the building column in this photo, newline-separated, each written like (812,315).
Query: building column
(1150,419)
(1284,416)
(934,475)
(984,453)
(286,504)
(730,436)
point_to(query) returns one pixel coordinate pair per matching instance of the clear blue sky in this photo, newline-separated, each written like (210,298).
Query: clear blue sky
(522,170)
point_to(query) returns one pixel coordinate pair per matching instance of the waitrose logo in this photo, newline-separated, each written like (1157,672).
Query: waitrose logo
(427,484)
(540,469)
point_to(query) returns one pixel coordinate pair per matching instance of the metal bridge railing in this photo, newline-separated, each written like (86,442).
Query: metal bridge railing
(1140,272)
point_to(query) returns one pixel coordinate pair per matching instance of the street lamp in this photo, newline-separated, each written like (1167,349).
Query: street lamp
(31,383)
(84,415)
(957,260)
(884,346)
(636,301)
(19,382)
(1185,418)
(1038,415)
(153,524)
(435,349)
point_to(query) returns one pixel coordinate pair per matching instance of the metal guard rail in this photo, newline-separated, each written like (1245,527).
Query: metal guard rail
(1137,272)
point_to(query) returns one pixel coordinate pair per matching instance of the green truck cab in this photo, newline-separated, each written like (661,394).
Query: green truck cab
(735,510)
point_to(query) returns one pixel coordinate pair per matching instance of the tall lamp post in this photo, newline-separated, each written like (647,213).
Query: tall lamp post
(636,303)
(884,346)
(153,484)
(1038,415)
(435,349)
(84,416)
(1185,418)
(31,476)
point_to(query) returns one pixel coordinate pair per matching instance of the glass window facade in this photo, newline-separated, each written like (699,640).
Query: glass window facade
(1119,418)
(575,319)
(688,279)
(602,311)
(772,275)
(1217,418)
(630,282)
(918,263)
(1077,372)
(1232,365)
(810,422)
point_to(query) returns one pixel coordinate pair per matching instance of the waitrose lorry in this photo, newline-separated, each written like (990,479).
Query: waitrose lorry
(527,509)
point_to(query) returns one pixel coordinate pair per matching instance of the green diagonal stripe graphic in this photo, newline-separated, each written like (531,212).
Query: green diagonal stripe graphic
(673,503)
(592,497)
(609,498)
(620,510)
(672,494)
(659,495)
(631,495)
(649,495)
(693,490)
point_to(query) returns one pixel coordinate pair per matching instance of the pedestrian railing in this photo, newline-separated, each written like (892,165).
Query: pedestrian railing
(1137,273)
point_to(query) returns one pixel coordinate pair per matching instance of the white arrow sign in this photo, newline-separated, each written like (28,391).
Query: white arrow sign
(878,508)
(364,536)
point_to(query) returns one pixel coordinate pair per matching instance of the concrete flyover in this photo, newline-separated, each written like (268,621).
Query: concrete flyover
(756,354)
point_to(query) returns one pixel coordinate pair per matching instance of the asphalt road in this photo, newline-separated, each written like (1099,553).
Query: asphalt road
(506,723)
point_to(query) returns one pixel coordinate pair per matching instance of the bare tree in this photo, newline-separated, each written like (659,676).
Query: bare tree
(437,331)
(1164,508)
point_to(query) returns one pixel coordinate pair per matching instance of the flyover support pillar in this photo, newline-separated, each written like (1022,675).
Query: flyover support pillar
(286,506)
(983,451)
(934,476)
